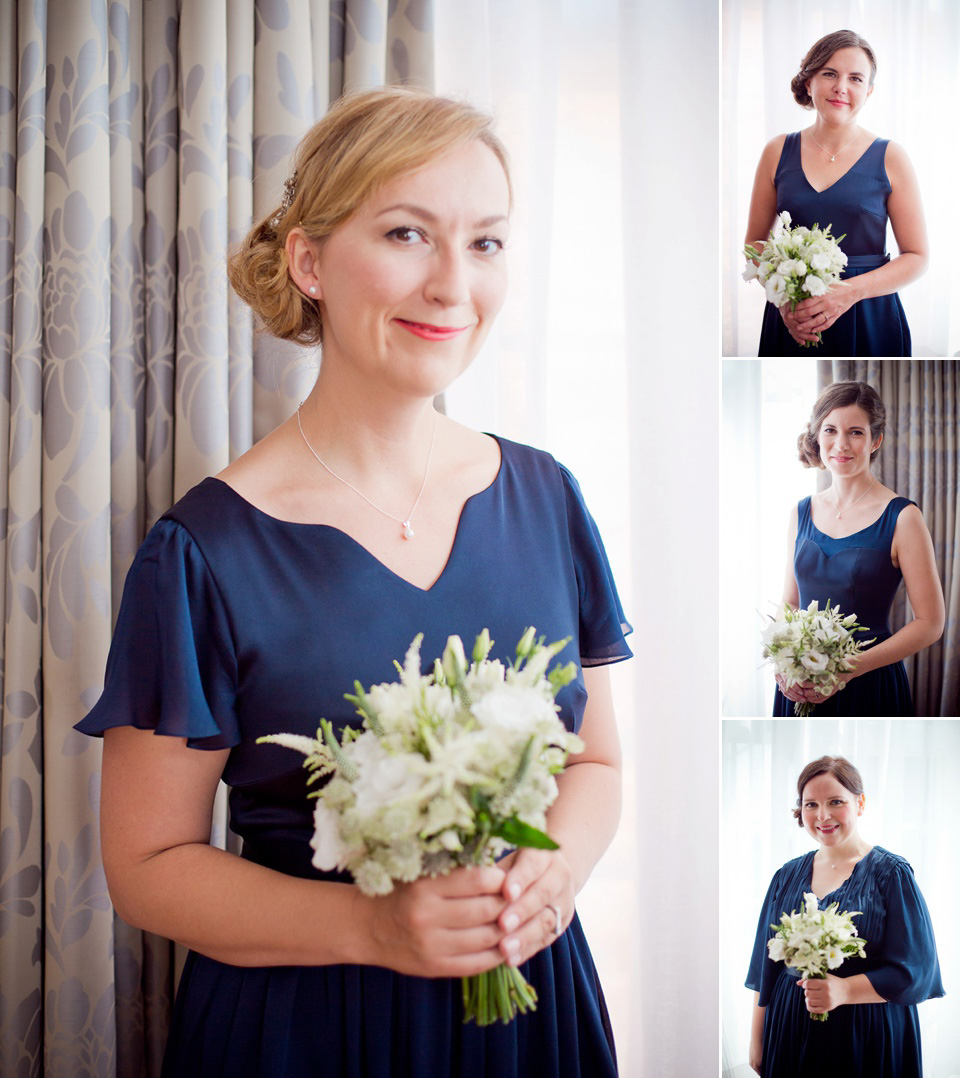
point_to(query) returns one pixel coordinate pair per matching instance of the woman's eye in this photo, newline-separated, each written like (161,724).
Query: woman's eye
(406,235)
(488,245)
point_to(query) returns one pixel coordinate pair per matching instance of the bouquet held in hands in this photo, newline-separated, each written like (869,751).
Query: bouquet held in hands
(814,941)
(795,263)
(813,646)
(451,768)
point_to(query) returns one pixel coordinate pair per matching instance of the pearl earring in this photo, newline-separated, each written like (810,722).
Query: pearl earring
(312,290)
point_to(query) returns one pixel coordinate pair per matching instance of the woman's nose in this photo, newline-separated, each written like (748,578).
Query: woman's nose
(447,283)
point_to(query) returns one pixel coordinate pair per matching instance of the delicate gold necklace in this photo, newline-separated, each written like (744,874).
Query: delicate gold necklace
(840,511)
(833,156)
(407,531)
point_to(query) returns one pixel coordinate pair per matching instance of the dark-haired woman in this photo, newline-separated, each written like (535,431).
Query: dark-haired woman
(836,173)
(851,545)
(313,560)
(872,1030)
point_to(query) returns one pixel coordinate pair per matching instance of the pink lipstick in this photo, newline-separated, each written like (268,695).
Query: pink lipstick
(431,333)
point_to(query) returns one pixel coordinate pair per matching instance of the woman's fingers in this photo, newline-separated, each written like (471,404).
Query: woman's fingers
(539,886)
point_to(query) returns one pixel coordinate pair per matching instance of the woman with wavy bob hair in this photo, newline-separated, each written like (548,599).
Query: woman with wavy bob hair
(872,1030)
(312,561)
(851,545)
(837,173)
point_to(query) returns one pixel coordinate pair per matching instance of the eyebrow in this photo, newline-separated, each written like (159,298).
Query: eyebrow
(431,218)
(829,68)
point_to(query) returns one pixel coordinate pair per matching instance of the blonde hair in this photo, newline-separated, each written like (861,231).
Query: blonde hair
(363,142)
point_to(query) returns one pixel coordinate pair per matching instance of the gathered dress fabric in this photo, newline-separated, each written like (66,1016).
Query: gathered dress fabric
(858,1040)
(855,206)
(235,624)
(856,575)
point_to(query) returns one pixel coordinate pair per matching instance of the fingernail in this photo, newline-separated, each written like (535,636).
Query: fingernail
(514,890)
(512,945)
(510,922)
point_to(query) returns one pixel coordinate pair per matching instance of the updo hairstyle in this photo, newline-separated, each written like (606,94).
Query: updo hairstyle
(363,142)
(840,395)
(841,769)
(818,57)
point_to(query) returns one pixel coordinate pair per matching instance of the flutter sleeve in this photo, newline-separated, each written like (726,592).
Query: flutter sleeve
(603,627)
(908,971)
(172,666)
(760,975)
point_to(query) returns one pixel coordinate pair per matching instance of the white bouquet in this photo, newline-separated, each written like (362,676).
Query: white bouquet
(455,767)
(813,645)
(795,263)
(814,940)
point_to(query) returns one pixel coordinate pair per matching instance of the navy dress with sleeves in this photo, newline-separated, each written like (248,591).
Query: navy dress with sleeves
(856,206)
(856,574)
(235,624)
(862,1040)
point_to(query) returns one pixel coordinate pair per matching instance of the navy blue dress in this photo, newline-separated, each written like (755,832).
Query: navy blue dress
(856,204)
(871,1040)
(856,574)
(235,624)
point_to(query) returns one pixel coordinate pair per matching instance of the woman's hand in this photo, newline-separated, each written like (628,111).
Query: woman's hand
(817,314)
(823,994)
(536,881)
(804,692)
(756,1057)
(442,927)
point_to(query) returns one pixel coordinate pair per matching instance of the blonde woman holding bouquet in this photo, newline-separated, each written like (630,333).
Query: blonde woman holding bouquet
(837,173)
(851,545)
(311,562)
(872,1029)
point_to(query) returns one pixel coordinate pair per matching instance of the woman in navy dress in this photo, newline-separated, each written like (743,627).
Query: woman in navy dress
(851,545)
(836,173)
(872,1030)
(313,560)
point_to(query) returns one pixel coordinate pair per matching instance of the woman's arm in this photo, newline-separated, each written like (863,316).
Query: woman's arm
(756,1033)
(791,597)
(763,200)
(582,821)
(905,210)
(156,803)
(827,993)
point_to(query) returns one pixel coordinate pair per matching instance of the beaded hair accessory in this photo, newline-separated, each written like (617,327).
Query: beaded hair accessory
(289,191)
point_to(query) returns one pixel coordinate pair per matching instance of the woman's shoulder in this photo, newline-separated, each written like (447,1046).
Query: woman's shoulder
(770,157)
(788,872)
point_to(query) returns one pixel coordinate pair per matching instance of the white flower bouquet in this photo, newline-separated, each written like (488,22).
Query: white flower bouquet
(813,645)
(455,767)
(795,263)
(814,941)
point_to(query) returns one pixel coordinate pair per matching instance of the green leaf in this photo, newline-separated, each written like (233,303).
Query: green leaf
(518,833)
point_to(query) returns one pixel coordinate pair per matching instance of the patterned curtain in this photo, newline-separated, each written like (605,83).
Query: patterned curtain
(131,132)
(920,460)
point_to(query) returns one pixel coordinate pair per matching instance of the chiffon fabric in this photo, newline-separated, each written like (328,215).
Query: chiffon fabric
(855,574)
(869,1040)
(855,206)
(235,624)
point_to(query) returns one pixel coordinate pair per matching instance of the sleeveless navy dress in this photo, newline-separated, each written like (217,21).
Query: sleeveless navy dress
(855,204)
(235,624)
(860,1040)
(856,574)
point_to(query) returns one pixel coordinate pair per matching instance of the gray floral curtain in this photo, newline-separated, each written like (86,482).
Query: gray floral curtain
(137,140)
(920,460)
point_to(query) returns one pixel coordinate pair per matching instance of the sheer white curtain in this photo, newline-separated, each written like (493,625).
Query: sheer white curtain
(909,770)
(917,44)
(595,359)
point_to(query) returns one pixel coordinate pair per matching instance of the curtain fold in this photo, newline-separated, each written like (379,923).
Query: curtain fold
(137,140)
(920,460)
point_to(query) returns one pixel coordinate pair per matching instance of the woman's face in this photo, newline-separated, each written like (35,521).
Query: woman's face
(845,443)
(841,87)
(411,283)
(829,811)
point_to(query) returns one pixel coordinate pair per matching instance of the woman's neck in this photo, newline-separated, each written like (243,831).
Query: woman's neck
(851,850)
(833,137)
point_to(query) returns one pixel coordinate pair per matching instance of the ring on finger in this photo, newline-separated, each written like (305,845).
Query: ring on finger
(558,920)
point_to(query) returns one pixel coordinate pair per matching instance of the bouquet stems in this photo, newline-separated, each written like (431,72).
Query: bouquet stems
(497,995)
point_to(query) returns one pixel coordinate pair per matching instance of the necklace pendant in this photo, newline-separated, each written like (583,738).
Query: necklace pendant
(408,532)
(833,158)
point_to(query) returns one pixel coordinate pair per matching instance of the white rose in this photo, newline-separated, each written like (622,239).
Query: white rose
(814,285)
(382,777)
(513,707)
(329,850)
(777,948)
(821,260)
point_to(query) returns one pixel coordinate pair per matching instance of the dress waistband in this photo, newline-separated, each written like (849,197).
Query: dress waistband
(867,261)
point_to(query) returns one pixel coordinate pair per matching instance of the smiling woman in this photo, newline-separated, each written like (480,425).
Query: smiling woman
(837,173)
(308,564)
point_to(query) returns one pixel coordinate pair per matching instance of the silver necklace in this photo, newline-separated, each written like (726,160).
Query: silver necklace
(407,531)
(833,156)
(840,511)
